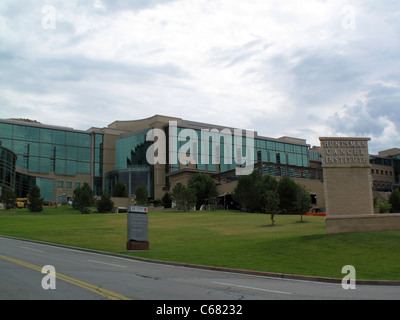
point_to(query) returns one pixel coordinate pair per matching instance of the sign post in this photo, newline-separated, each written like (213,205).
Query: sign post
(138,228)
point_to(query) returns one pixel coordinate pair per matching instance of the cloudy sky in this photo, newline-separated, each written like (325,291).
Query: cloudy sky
(298,68)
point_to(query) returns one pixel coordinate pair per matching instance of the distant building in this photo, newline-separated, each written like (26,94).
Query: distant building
(59,159)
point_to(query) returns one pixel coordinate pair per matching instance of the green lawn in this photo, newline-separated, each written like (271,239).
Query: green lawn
(220,238)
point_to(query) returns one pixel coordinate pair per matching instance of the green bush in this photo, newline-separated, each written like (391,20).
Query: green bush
(141,195)
(394,200)
(83,198)
(105,204)
(166,200)
(35,200)
(8,198)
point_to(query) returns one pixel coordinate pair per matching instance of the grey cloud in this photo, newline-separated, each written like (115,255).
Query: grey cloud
(121,5)
(371,117)
(39,74)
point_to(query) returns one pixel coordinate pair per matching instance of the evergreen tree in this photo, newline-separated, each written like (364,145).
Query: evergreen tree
(35,200)
(83,198)
(120,190)
(105,204)
(141,195)
(166,200)
(8,198)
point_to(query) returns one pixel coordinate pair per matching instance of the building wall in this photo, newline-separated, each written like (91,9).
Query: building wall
(7,168)
(51,154)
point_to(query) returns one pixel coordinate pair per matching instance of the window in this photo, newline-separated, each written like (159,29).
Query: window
(77,184)
(68,184)
(60,184)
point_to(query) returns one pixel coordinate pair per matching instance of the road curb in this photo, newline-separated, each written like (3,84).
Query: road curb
(273,275)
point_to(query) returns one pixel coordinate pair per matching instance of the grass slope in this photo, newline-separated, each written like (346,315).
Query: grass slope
(221,238)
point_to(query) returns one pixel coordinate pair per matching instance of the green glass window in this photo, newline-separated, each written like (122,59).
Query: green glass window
(60,166)
(83,167)
(6,130)
(59,137)
(71,168)
(46,188)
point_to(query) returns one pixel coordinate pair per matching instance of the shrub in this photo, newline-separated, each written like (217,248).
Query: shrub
(35,200)
(185,198)
(141,195)
(166,200)
(83,198)
(105,204)
(8,198)
(120,190)
(394,200)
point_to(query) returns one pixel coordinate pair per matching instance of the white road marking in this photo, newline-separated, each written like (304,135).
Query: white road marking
(109,264)
(31,249)
(252,288)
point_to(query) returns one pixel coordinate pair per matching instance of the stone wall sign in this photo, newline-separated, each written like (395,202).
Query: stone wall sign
(345,152)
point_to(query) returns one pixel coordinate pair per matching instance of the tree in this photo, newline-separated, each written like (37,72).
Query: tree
(287,191)
(166,200)
(184,197)
(206,191)
(270,197)
(120,190)
(35,200)
(303,201)
(249,192)
(8,198)
(394,200)
(105,204)
(271,204)
(83,198)
(141,195)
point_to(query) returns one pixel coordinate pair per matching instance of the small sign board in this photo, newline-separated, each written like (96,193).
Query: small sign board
(138,209)
(138,224)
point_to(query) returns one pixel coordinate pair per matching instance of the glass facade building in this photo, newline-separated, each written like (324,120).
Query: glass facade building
(212,146)
(131,164)
(60,159)
(7,168)
(48,155)
(41,149)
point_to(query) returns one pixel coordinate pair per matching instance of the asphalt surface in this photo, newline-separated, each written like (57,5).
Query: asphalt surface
(82,275)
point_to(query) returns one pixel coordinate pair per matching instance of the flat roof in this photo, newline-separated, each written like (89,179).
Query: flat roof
(40,125)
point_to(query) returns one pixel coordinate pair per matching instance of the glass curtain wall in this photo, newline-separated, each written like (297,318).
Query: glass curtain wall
(213,146)
(41,150)
(131,164)
(7,168)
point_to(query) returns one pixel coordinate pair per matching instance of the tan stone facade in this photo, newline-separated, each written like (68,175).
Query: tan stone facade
(362,223)
(348,191)
(348,188)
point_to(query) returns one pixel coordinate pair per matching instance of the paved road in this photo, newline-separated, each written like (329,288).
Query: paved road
(92,276)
